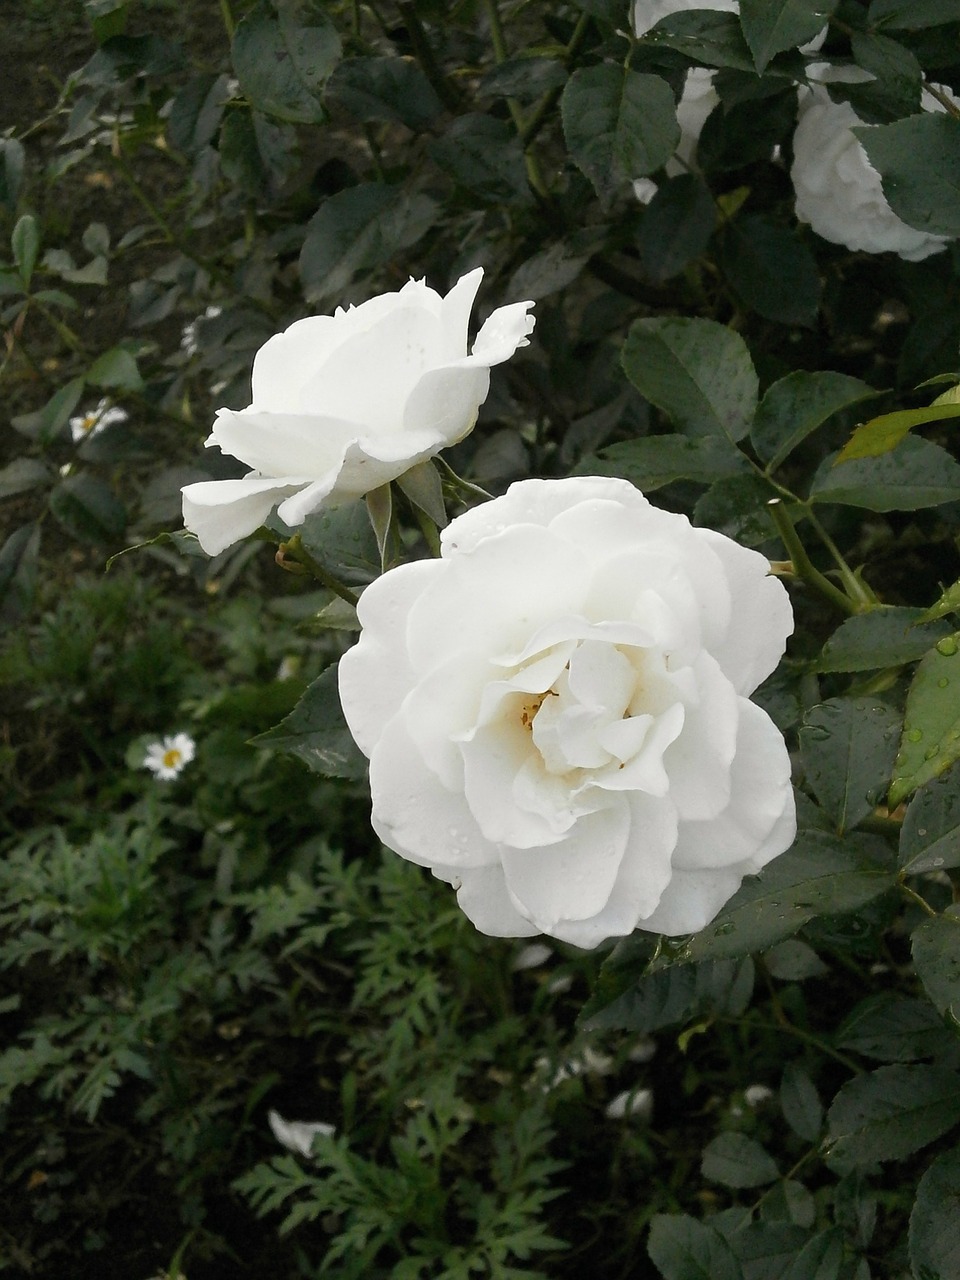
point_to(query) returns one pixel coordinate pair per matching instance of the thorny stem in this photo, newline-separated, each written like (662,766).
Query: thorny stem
(534,176)
(802,565)
(295,550)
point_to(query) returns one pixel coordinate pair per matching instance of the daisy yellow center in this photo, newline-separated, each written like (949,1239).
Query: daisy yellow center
(172,758)
(89,422)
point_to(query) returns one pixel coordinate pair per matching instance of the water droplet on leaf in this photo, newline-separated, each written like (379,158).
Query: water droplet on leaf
(947,646)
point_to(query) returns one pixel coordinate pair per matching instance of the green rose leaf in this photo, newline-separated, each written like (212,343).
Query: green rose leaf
(697,371)
(848,746)
(887,636)
(912,15)
(930,835)
(655,461)
(770,26)
(19,560)
(734,1160)
(46,424)
(358,229)
(316,732)
(894,1029)
(88,509)
(931,726)
(880,435)
(485,156)
(889,1114)
(772,271)
(384,89)
(708,39)
(21,475)
(676,227)
(916,474)
(802,1108)
(934,1238)
(821,1258)
(283,57)
(936,954)
(618,124)
(737,506)
(668,997)
(115,370)
(919,161)
(820,875)
(796,405)
(898,76)
(25,245)
(683,1249)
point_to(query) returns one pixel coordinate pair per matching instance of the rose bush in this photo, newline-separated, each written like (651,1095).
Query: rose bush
(345,403)
(557,713)
(839,192)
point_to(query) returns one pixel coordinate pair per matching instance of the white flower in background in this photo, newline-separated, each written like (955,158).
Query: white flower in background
(345,403)
(188,339)
(531,957)
(755,1095)
(632,1102)
(557,719)
(839,192)
(86,425)
(297,1135)
(168,757)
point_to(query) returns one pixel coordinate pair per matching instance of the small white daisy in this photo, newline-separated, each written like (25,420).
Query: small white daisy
(189,339)
(298,1135)
(168,757)
(91,423)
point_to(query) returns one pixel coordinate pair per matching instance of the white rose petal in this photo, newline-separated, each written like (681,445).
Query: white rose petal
(298,1135)
(839,192)
(345,403)
(557,713)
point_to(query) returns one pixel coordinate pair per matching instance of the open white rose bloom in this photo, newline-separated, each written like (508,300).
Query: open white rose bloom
(557,713)
(839,192)
(345,403)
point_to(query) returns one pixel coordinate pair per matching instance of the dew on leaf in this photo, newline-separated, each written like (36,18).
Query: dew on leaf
(914,735)
(947,647)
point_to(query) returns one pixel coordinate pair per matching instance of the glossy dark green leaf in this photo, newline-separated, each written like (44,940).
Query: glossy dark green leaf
(19,560)
(916,474)
(358,229)
(887,636)
(919,161)
(796,405)
(889,1114)
(848,746)
(820,875)
(697,371)
(772,271)
(46,424)
(618,124)
(316,732)
(88,509)
(931,725)
(523,78)
(25,245)
(895,89)
(734,1160)
(484,155)
(800,1102)
(115,370)
(655,461)
(912,15)
(22,475)
(737,507)
(930,834)
(683,1249)
(343,541)
(708,39)
(766,1249)
(626,998)
(284,56)
(894,1028)
(934,1238)
(936,954)
(676,227)
(547,271)
(770,26)
(383,89)
(821,1258)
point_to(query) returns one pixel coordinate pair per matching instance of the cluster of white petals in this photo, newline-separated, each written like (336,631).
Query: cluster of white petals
(168,757)
(839,192)
(557,713)
(345,403)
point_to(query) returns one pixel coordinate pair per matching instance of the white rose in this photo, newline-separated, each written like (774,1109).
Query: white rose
(557,718)
(345,403)
(839,192)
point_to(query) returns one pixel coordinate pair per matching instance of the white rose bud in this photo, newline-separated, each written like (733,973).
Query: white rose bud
(557,713)
(345,403)
(839,192)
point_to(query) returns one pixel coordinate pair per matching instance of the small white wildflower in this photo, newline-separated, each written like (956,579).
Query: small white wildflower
(169,756)
(587,1063)
(754,1095)
(532,957)
(632,1102)
(561,983)
(643,1050)
(298,1135)
(188,339)
(89,424)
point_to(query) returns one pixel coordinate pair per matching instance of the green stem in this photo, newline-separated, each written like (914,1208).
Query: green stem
(500,53)
(227,15)
(446,91)
(296,551)
(920,902)
(802,565)
(463,486)
(857,591)
(550,99)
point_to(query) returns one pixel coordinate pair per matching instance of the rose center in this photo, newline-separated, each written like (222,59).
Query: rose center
(529,709)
